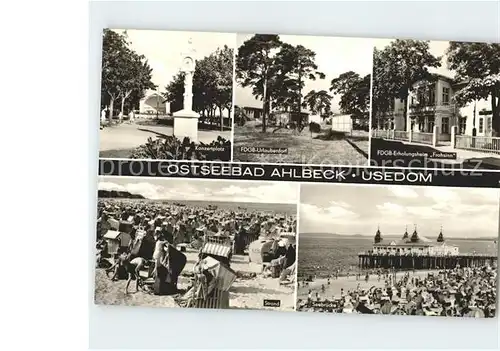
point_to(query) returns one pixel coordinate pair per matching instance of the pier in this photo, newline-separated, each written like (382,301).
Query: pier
(369,260)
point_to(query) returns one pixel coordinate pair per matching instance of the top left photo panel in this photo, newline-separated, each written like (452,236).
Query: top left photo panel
(166,95)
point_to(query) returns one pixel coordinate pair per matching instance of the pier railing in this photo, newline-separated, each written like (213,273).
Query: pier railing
(423,261)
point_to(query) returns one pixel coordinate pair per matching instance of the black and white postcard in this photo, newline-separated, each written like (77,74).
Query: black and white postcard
(295,172)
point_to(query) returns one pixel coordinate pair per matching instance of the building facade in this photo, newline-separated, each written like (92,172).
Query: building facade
(430,103)
(153,104)
(413,245)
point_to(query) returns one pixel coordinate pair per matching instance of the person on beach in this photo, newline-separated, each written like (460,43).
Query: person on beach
(119,267)
(134,267)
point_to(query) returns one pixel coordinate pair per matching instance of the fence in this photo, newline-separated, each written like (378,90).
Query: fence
(444,137)
(424,138)
(478,143)
(381,133)
(401,135)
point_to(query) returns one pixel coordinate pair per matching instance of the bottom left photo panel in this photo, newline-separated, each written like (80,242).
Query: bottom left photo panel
(163,242)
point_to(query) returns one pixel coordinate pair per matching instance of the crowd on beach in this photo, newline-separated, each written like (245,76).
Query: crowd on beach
(157,236)
(459,292)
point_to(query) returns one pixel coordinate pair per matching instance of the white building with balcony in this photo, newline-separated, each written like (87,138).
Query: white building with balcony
(430,103)
(413,245)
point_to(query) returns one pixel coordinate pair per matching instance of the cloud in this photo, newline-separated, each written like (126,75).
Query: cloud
(403,191)
(440,194)
(491,196)
(390,209)
(338,212)
(340,203)
(424,212)
(110,186)
(285,193)
(316,219)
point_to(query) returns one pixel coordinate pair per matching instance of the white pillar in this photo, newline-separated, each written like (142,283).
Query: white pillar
(435,136)
(453,134)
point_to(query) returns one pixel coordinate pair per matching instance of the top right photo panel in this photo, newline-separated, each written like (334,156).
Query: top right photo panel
(435,104)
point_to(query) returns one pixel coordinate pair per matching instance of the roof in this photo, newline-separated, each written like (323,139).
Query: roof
(216,249)
(435,76)
(112,234)
(405,243)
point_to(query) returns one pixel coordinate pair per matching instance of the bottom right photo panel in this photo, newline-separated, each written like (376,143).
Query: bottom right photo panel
(428,251)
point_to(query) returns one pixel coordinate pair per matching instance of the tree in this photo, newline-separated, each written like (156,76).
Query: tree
(123,70)
(397,67)
(174,91)
(212,86)
(354,92)
(254,64)
(382,99)
(114,49)
(297,63)
(136,76)
(319,102)
(477,67)
(223,79)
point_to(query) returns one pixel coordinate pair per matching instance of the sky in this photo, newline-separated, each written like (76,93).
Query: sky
(351,210)
(206,190)
(334,56)
(164,49)
(436,48)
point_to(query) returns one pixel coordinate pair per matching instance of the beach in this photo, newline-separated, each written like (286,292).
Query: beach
(348,283)
(245,293)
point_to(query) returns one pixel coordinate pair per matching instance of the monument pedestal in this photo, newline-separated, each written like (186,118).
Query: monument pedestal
(186,125)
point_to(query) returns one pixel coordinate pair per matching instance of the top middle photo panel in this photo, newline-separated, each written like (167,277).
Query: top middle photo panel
(302,99)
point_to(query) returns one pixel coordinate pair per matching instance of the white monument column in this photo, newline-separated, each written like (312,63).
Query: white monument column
(186,120)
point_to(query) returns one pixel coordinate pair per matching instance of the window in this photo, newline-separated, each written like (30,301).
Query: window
(431,126)
(463,125)
(421,98)
(421,125)
(446,96)
(445,125)
(488,124)
(481,124)
(432,96)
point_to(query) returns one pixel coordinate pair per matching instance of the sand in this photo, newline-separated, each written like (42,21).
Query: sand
(244,293)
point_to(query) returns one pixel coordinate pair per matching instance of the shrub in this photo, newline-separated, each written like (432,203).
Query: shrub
(314,127)
(332,135)
(171,148)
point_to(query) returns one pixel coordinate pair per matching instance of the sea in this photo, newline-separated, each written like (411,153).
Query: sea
(288,209)
(322,254)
